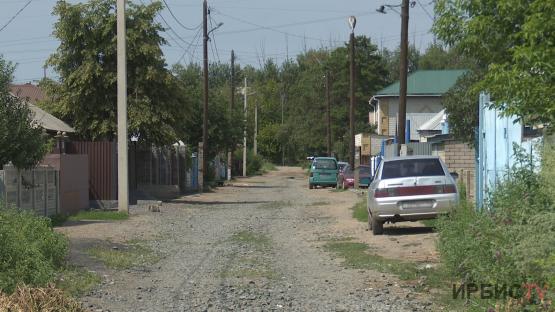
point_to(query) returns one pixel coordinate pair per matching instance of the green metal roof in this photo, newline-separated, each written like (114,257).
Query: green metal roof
(425,82)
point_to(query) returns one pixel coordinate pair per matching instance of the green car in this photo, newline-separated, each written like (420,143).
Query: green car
(323,172)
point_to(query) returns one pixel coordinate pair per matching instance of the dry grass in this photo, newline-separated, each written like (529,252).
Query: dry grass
(48,299)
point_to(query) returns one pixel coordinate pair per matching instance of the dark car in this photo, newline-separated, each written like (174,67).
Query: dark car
(346,178)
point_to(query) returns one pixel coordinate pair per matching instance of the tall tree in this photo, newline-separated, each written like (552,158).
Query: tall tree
(21,139)
(86,62)
(513,41)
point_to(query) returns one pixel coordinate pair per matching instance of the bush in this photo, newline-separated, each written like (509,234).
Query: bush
(254,162)
(30,251)
(512,240)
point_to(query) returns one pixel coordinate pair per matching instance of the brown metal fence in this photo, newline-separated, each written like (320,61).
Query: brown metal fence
(102,167)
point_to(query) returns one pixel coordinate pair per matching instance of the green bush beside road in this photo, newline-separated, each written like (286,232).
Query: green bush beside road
(511,241)
(30,251)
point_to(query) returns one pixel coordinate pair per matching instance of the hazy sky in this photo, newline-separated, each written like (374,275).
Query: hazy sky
(254,29)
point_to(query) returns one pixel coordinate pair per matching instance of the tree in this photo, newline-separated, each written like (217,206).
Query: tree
(437,56)
(513,41)
(86,61)
(21,139)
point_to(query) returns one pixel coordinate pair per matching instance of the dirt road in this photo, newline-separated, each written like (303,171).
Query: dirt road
(252,246)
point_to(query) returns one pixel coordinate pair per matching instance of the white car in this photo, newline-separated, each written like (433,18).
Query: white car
(410,188)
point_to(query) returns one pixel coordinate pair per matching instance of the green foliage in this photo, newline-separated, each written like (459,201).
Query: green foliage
(77,281)
(86,62)
(254,162)
(21,139)
(461,105)
(360,211)
(509,39)
(512,241)
(30,251)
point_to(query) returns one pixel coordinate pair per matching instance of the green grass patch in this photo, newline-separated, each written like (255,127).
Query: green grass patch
(337,190)
(101,215)
(124,257)
(77,281)
(249,267)
(360,212)
(258,241)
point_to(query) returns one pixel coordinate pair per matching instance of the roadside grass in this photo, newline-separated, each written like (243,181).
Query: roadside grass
(267,167)
(77,281)
(249,267)
(101,215)
(337,190)
(134,254)
(359,211)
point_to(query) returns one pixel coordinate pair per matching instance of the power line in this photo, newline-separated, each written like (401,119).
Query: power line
(426,10)
(177,20)
(15,15)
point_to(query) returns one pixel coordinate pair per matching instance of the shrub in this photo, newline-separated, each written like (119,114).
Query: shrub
(512,240)
(254,162)
(30,251)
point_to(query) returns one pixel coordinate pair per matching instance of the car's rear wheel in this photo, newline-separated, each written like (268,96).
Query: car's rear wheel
(377,226)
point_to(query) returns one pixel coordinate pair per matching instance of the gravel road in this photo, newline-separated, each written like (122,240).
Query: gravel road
(255,245)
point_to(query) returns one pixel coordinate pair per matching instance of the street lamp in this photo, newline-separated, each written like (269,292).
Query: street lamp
(403,64)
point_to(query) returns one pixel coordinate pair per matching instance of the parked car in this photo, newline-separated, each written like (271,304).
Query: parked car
(323,172)
(341,165)
(346,177)
(410,188)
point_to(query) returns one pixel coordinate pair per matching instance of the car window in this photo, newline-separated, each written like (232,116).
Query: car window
(412,168)
(325,164)
(364,170)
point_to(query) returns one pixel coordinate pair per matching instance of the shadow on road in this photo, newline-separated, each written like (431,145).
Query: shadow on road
(398,231)
(256,186)
(198,202)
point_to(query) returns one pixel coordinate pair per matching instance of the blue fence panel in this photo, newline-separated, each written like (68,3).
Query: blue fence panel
(496,136)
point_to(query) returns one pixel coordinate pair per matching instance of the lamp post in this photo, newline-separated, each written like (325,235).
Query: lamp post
(403,65)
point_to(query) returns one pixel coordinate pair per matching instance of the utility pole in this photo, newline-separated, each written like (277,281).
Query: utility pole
(328,112)
(352,23)
(255,127)
(403,72)
(282,145)
(205,74)
(245,130)
(123,182)
(231,104)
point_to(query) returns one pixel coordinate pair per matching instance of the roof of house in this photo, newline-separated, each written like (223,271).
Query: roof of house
(434,123)
(32,94)
(425,82)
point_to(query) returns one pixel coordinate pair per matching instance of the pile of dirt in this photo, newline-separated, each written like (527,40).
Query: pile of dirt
(49,299)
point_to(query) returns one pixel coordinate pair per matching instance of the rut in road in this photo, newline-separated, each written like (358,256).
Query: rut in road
(252,246)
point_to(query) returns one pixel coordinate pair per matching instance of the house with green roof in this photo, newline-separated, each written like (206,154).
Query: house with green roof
(425,89)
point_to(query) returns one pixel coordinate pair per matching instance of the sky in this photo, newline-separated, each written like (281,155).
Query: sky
(255,29)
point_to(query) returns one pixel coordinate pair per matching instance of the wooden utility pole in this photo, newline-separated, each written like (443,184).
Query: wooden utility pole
(328,112)
(255,143)
(123,178)
(403,72)
(352,22)
(231,104)
(205,95)
(245,93)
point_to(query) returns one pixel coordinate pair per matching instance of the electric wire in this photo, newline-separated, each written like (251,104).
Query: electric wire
(15,15)
(177,20)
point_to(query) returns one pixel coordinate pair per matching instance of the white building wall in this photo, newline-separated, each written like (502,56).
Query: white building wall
(419,110)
